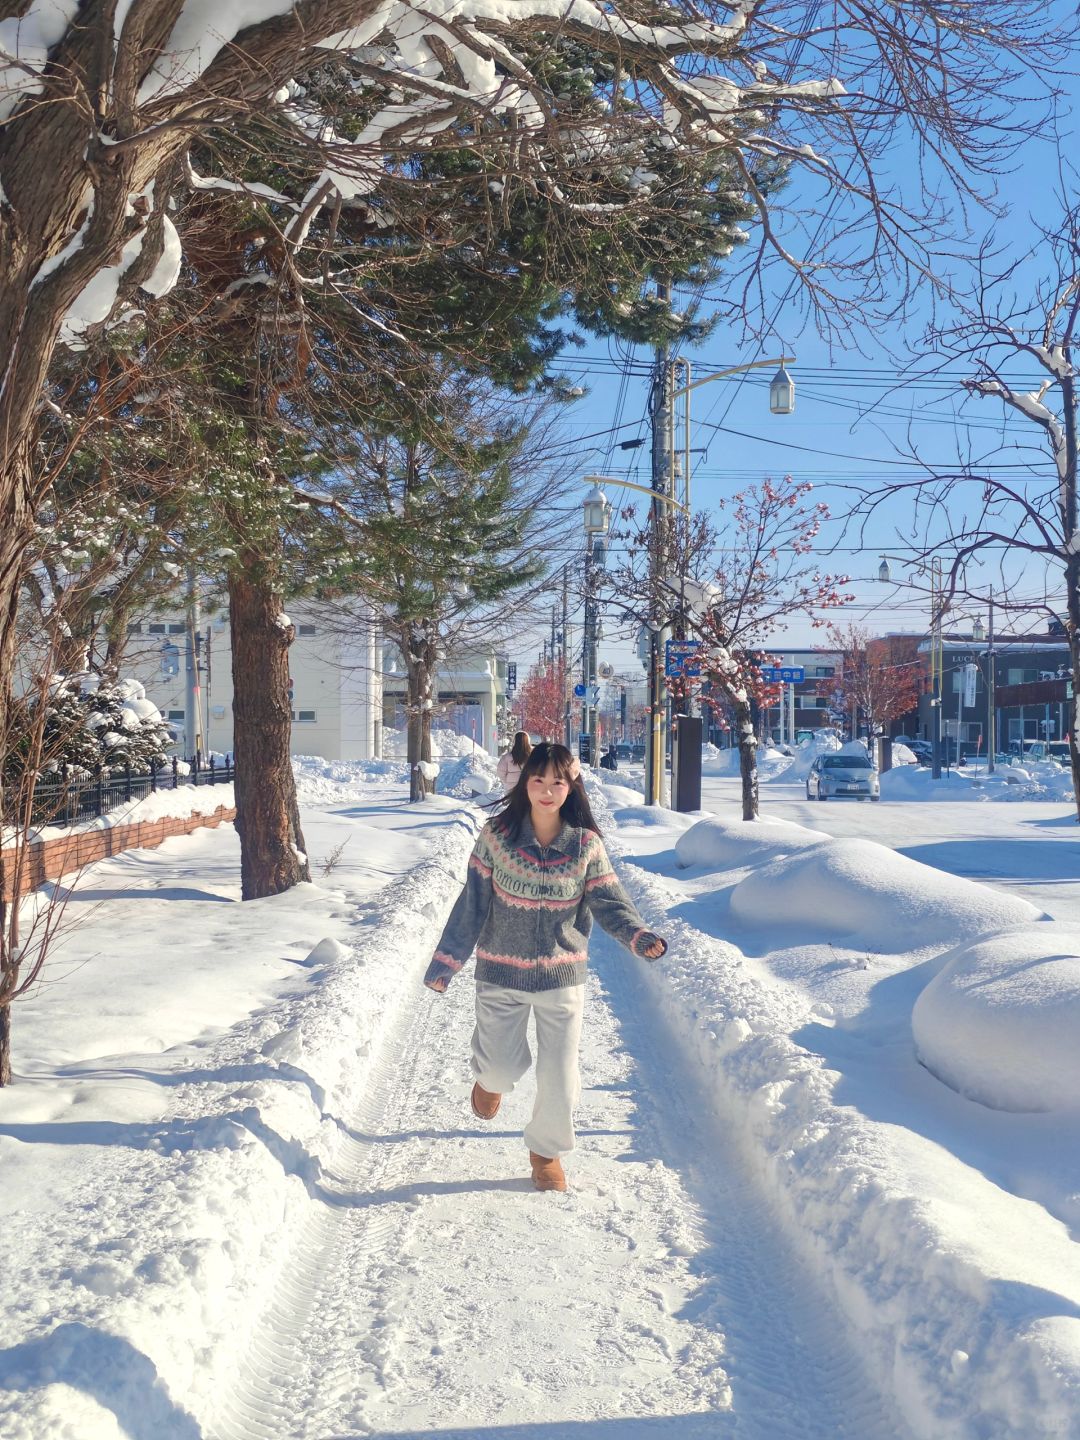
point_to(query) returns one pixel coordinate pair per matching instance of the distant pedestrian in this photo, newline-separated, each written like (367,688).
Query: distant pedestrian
(609,760)
(538,877)
(511,761)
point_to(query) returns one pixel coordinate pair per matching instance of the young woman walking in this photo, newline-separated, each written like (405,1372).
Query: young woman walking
(538,877)
(509,767)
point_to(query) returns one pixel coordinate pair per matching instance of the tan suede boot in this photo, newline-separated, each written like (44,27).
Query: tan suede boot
(485,1103)
(547,1174)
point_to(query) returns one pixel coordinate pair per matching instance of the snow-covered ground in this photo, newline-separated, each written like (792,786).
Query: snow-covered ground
(244,1196)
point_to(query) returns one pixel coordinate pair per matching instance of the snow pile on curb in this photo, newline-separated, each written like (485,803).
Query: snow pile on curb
(724,844)
(868,893)
(974,1329)
(1008,783)
(1000,1020)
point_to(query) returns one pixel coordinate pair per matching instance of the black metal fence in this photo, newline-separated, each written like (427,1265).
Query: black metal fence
(68,795)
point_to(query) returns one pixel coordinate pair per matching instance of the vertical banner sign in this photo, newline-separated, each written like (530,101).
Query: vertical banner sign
(970,673)
(511,676)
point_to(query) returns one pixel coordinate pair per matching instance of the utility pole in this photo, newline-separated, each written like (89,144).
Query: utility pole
(661,414)
(991,692)
(936,667)
(568,722)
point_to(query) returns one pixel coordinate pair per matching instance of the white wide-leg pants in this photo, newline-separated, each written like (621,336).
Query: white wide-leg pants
(501,1056)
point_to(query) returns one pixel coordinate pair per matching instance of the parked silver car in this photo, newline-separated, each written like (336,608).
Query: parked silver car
(832,775)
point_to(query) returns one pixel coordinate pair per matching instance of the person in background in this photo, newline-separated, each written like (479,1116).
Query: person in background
(538,877)
(511,761)
(609,760)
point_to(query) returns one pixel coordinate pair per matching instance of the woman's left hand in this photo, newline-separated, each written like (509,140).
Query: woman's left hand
(655,950)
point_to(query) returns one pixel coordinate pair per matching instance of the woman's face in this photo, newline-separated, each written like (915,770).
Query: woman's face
(547,793)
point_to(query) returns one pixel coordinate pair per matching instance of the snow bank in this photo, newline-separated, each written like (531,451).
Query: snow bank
(999,1022)
(322,782)
(867,893)
(152,1196)
(171,804)
(771,763)
(1046,781)
(728,844)
(962,1297)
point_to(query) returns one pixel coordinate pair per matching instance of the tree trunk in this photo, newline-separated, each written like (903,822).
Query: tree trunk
(420,670)
(748,770)
(5,1045)
(1074,717)
(272,854)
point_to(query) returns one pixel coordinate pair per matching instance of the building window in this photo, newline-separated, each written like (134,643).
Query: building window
(305,631)
(1022,677)
(177,629)
(176,715)
(134,629)
(304,717)
(824,672)
(156,629)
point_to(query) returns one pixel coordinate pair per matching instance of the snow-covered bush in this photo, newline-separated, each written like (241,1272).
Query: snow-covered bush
(88,722)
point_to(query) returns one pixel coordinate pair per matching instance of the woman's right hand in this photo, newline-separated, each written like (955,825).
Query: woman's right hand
(438,985)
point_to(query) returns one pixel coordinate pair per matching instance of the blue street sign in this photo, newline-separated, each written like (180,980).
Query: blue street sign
(680,658)
(783,674)
(579,691)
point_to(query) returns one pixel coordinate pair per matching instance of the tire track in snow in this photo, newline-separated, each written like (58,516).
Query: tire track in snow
(432,1289)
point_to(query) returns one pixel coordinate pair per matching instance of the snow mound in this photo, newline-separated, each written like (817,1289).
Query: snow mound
(470,774)
(864,891)
(771,763)
(822,742)
(619,794)
(651,815)
(917,783)
(1045,781)
(999,1021)
(726,844)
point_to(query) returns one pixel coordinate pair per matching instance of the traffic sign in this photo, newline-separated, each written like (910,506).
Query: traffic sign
(680,658)
(579,690)
(594,694)
(511,676)
(783,674)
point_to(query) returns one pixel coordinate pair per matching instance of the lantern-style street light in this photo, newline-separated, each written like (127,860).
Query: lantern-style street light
(782,392)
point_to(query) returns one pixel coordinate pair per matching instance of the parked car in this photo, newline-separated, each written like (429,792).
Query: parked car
(847,775)
(1045,750)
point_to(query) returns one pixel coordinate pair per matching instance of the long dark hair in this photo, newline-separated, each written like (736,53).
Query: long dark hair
(575,810)
(521,748)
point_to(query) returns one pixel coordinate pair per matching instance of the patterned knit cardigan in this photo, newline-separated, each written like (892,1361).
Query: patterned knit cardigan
(528,909)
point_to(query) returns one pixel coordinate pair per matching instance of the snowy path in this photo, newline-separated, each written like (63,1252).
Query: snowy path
(432,1290)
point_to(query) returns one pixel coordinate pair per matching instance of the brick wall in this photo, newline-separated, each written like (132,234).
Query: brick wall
(45,860)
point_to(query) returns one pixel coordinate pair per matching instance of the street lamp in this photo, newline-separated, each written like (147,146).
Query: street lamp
(782,392)
(597,510)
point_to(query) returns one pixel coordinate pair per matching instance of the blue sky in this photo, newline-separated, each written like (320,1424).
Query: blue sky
(851,423)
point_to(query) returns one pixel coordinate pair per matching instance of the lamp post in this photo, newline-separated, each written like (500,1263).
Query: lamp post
(931,568)
(597,516)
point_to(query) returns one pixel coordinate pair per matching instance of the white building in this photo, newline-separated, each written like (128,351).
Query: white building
(337,700)
(470,696)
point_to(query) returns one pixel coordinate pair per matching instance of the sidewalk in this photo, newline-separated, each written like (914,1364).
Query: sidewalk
(244,1196)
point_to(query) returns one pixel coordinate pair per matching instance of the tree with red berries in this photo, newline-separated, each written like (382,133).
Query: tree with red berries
(881,677)
(763,576)
(542,700)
